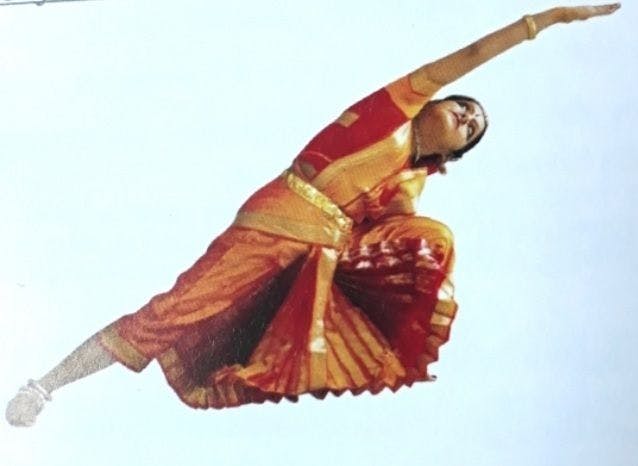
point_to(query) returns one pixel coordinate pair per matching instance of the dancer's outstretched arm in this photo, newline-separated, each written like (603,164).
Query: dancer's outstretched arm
(453,66)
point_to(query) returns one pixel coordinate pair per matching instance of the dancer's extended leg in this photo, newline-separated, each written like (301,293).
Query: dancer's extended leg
(86,359)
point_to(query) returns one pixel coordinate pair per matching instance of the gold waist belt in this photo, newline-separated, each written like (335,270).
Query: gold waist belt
(318,199)
(333,230)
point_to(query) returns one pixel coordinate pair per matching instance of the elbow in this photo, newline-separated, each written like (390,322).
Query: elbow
(474,51)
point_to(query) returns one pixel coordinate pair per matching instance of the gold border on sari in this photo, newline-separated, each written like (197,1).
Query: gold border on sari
(122,350)
(317,344)
(347,178)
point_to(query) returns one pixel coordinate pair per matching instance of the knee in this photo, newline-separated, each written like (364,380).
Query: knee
(435,228)
(427,228)
(438,236)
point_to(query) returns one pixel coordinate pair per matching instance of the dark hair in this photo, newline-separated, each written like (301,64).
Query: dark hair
(457,154)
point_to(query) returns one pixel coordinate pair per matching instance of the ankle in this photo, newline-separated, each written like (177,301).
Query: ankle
(40,388)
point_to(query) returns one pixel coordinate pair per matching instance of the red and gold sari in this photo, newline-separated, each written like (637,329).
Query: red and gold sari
(325,282)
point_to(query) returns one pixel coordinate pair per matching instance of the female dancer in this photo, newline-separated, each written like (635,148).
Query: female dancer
(326,281)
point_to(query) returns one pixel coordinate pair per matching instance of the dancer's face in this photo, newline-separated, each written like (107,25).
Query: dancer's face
(446,126)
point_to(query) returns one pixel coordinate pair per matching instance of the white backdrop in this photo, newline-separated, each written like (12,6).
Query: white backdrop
(130,132)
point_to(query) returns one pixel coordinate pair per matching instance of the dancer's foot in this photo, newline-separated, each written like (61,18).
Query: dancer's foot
(23,409)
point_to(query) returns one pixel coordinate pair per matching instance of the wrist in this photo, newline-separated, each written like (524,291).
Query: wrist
(548,18)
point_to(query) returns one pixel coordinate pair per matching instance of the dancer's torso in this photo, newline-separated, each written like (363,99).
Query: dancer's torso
(361,161)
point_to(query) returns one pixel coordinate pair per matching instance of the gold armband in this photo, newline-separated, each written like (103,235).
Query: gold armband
(532,30)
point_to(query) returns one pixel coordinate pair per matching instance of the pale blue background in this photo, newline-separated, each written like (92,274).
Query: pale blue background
(130,132)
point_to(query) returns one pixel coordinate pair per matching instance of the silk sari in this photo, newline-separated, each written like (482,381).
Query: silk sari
(326,282)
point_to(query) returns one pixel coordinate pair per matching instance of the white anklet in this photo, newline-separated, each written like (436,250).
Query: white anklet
(34,387)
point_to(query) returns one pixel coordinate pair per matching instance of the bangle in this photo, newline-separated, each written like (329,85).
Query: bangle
(532,30)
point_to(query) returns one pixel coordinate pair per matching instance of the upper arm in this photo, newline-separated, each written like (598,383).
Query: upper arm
(410,93)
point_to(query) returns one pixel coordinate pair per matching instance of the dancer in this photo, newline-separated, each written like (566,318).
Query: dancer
(326,281)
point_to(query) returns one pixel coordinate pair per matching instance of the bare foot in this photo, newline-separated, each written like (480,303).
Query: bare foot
(23,409)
